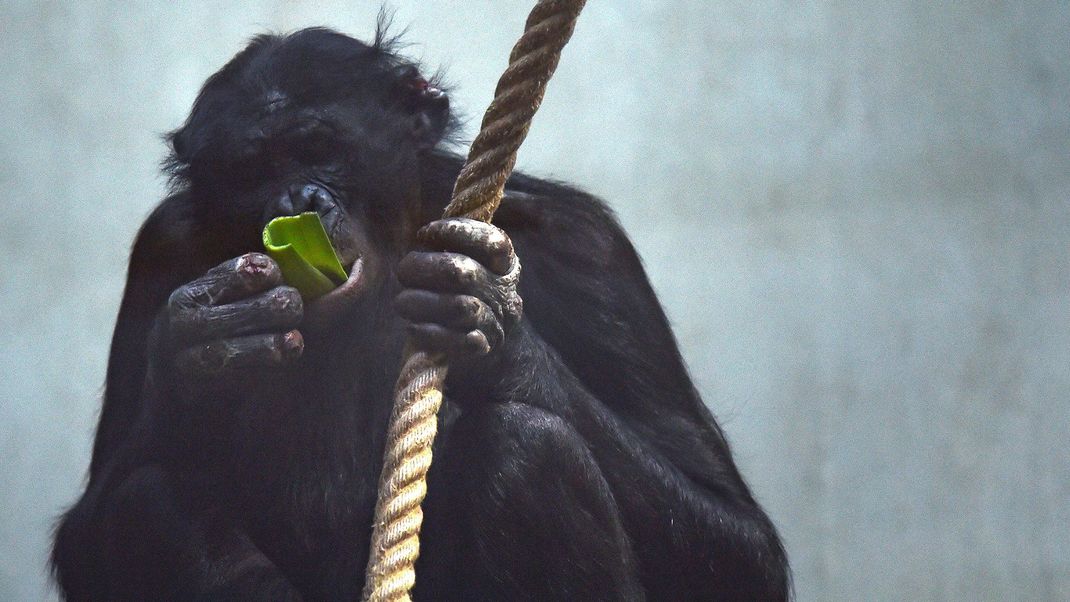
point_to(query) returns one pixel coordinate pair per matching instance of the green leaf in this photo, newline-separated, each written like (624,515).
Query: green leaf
(299,244)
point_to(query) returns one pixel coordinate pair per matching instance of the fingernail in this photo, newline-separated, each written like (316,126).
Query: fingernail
(293,344)
(253,264)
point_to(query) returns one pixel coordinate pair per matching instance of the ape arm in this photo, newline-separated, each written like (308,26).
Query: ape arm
(128,537)
(597,350)
(164,255)
(172,249)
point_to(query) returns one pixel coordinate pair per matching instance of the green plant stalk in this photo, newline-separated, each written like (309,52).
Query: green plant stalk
(309,263)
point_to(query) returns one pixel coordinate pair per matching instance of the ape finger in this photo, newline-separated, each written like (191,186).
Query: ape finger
(443,272)
(457,312)
(436,338)
(231,280)
(243,352)
(279,309)
(487,244)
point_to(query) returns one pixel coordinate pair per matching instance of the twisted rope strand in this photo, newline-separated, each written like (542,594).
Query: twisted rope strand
(395,542)
(479,187)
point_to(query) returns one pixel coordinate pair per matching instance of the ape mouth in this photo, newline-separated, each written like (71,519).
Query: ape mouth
(345,238)
(340,233)
(332,303)
(352,285)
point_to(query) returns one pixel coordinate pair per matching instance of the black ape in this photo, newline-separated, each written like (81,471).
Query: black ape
(240,440)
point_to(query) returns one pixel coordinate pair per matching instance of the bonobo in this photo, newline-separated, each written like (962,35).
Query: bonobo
(242,428)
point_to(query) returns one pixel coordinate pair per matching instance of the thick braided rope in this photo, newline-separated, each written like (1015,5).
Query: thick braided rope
(395,542)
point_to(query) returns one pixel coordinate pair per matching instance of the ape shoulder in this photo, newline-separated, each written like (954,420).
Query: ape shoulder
(587,295)
(569,223)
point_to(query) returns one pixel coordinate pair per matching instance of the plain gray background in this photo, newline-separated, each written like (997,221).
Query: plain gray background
(856,214)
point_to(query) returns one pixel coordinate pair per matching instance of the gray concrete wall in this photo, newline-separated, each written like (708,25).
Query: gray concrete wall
(856,214)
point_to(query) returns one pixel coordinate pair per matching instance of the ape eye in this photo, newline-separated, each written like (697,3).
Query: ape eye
(251,170)
(312,153)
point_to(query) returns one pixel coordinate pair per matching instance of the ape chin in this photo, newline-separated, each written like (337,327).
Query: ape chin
(242,427)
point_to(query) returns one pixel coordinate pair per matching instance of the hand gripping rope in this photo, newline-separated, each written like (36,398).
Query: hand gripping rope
(395,542)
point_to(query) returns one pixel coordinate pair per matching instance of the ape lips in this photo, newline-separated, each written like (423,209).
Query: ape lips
(308,260)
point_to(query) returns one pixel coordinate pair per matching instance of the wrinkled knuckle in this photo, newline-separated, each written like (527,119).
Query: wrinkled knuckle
(286,299)
(427,231)
(209,359)
(449,234)
(184,321)
(463,228)
(465,270)
(514,307)
(483,313)
(466,304)
(440,227)
(178,300)
(503,264)
(513,271)
(498,241)
(508,309)
(464,223)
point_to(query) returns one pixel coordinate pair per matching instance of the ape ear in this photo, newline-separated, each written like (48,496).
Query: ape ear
(429,109)
(179,141)
(176,164)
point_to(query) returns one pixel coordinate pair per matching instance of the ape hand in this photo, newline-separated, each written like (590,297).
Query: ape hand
(237,315)
(461,293)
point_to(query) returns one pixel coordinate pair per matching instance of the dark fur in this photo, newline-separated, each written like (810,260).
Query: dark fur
(581,464)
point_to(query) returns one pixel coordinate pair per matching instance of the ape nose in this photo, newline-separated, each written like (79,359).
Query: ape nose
(311,197)
(300,198)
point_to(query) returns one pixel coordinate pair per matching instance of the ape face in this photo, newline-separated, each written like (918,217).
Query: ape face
(316,121)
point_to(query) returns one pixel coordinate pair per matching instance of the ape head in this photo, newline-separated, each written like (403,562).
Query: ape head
(313,121)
